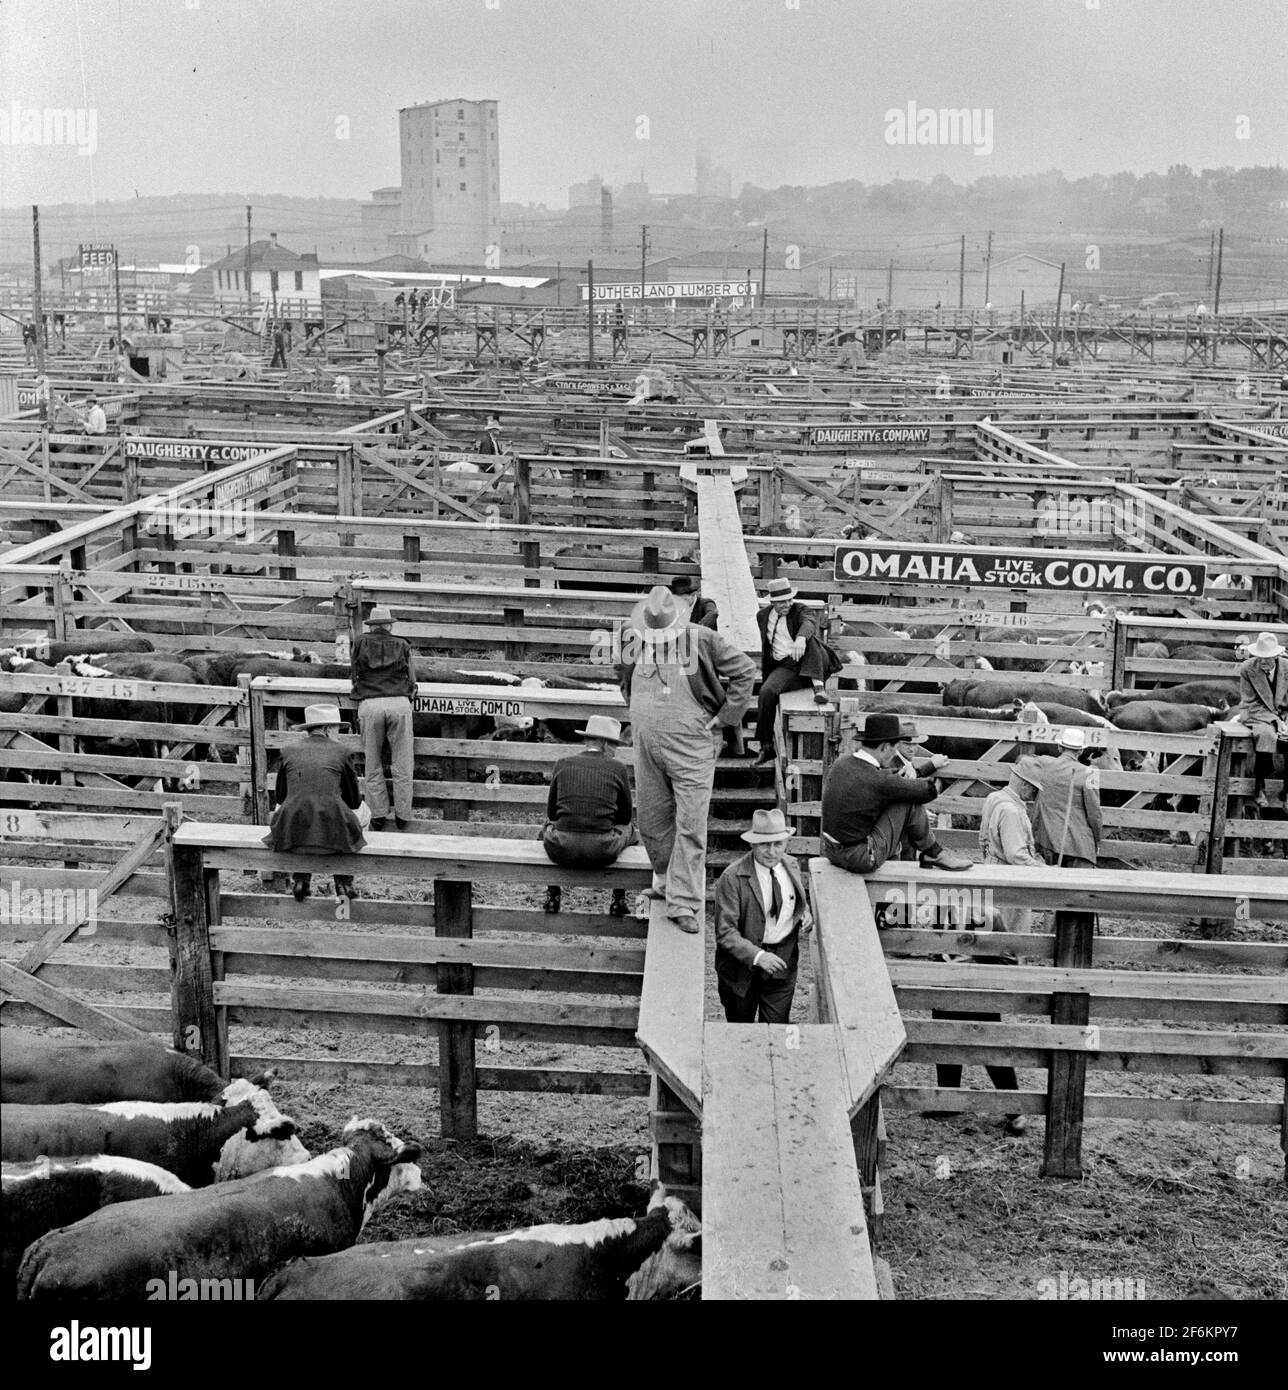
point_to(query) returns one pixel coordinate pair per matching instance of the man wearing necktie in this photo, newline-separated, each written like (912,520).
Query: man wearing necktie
(792,656)
(761,913)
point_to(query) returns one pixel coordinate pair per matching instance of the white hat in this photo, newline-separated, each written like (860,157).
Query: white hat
(601,726)
(1072,738)
(1267,645)
(320,717)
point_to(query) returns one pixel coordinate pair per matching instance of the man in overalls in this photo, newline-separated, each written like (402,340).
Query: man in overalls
(684,684)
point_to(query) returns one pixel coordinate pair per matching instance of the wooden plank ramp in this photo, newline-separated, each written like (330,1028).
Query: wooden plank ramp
(726,572)
(782,1204)
(669,1031)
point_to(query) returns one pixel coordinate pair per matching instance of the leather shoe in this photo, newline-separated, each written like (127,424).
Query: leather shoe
(764,758)
(402,824)
(378,822)
(946,859)
(686,922)
(820,697)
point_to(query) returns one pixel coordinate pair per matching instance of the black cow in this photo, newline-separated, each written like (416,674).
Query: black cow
(1218,693)
(1004,692)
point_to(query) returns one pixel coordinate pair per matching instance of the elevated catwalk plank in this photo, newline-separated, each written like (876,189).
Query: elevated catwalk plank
(726,574)
(671,1000)
(782,1208)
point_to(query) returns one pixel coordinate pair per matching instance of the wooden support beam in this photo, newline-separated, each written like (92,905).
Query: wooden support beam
(1067,1076)
(458,1085)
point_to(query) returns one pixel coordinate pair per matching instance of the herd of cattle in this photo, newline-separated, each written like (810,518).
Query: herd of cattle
(130,1169)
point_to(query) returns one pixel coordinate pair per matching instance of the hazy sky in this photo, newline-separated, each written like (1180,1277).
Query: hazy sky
(211,96)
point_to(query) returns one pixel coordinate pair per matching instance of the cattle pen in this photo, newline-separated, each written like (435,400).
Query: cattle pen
(225,520)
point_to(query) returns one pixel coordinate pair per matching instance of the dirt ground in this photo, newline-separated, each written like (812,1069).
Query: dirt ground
(1166,1206)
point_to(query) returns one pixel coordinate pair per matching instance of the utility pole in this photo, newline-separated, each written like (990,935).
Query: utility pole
(889,287)
(961,276)
(988,267)
(590,311)
(764,269)
(558,283)
(643,267)
(250,303)
(116,278)
(1220,256)
(37,306)
(1055,336)
(1211,263)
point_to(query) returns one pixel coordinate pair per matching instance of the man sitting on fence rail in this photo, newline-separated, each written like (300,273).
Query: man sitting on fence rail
(792,656)
(870,813)
(761,913)
(1067,824)
(702,610)
(1263,707)
(383,686)
(589,809)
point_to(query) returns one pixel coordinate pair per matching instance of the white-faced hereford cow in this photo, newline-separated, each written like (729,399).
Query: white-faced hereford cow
(198,1141)
(49,1193)
(235,1230)
(36,1070)
(657,1256)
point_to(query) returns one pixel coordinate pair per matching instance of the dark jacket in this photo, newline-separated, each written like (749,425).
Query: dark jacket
(721,679)
(590,793)
(316,789)
(855,793)
(704,612)
(740,922)
(382,666)
(819,659)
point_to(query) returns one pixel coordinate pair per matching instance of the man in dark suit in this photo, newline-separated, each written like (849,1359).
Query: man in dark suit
(702,610)
(792,656)
(870,812)
(761,913)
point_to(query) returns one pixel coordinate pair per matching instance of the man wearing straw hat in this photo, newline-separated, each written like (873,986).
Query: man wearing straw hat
(761,913)
(684,685)
(383,686)
(1067,824)
(792,656)
(589,808)
(1263,707)
(317,799)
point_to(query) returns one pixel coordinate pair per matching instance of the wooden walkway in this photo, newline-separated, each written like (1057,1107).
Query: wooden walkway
(726,573)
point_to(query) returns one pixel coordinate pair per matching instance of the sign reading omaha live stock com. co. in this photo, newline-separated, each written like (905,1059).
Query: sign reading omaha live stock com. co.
(984,567)
(821,436)
(455,704)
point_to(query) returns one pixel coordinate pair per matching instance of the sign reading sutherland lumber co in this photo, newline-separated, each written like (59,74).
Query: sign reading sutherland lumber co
(983,567)
(822,435)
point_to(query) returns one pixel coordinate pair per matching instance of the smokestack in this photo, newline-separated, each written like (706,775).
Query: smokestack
(606,216)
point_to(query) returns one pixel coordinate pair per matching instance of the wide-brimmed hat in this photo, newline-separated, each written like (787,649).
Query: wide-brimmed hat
(601,726)
(1029,770)
(887,728)
(379,614)
(320,717)
(766,827)
(778,589)
(656,612)
(1072,738)
(1267,645)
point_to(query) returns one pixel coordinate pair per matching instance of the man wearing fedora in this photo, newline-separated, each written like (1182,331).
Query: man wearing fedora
(792,656)
(589,808)
(1067,824)
(317,799)
(760,914)
(383,686)
(702,610)
(684,685)
(870,812)
(1263,707)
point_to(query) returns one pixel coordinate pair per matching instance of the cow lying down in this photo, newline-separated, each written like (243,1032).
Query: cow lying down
(37,1070)
(49,1193)
(235,1230)
(198,1141)
(656,1256)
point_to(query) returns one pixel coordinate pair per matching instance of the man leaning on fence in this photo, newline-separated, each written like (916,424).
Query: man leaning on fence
(383,686)
(1067,824)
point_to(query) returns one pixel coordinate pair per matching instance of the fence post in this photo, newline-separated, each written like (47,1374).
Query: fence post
(1067,1074)
(457,1081)
(411,556)
(523,491)
(196,1029)
(945,509)
(286,548)
(1118,669)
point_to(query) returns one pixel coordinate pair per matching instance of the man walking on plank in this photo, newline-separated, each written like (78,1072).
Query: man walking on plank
(792,656)
(589,809)
(684,685)
(383,686)
(870,813)
(761,914)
